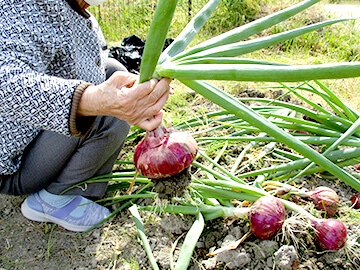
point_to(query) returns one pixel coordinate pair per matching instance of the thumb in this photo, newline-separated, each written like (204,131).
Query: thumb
(153,122)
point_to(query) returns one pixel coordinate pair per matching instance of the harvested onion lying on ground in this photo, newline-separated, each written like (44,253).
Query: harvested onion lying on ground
(267,215)
(330,234)
(325,199)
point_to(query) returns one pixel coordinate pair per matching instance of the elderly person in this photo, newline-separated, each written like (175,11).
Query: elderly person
(63,118)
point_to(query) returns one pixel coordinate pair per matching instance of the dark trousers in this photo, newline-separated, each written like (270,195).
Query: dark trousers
(56,162)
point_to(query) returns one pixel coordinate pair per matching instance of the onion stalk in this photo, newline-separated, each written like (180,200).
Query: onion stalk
(163,153)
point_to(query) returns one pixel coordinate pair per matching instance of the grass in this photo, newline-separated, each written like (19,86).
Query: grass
(121,18)
(335,43)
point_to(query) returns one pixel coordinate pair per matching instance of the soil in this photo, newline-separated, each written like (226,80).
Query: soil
(115,245)
(173,186)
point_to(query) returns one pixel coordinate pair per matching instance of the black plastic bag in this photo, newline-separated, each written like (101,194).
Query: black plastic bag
(130,51)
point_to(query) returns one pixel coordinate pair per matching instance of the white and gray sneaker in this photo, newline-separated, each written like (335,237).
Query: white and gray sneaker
(34,208)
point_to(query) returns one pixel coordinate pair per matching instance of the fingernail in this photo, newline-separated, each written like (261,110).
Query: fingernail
(153,80)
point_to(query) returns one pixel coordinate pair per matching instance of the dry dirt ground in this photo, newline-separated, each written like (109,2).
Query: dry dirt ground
(115,245)
(31,245)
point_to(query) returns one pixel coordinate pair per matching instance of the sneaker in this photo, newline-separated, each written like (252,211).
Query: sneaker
(34,208)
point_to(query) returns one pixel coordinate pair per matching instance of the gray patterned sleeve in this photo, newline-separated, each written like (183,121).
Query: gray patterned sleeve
(32,98)
(46,51)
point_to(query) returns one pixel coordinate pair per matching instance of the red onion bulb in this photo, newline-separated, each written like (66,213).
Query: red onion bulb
(325,199)
(355,200)
(164,152)
(266,216)
(330,234)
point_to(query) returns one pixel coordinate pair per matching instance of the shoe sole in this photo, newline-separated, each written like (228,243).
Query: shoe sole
(42,217)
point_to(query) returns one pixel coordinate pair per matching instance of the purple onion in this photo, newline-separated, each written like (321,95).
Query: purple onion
(330,234)
(325,199)
(266,217)
(164,152)
(355,200)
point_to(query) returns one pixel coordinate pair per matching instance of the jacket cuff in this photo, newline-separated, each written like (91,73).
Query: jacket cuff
(79,125)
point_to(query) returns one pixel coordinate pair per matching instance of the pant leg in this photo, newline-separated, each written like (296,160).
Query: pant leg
(113,65)
(56,162)
(96,156)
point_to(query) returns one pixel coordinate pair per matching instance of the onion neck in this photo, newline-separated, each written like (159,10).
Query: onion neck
(158,132)
(156,137)
(298,209)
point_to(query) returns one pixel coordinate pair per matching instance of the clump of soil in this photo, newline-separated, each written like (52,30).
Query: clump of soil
(173,186)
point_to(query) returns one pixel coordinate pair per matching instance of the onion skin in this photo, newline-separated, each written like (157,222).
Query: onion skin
(325,199)
(330,234)
(266,217)
(355,200)
(303,132)
(164,152)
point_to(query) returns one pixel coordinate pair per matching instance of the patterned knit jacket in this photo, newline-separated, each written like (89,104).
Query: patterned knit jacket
(47,50)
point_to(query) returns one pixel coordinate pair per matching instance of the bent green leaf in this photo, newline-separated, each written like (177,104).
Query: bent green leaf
(239,109)
(259,73)
(189,244)
(189,32)
(249,29)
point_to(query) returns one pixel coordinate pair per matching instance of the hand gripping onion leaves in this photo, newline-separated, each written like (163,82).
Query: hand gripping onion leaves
(164,152)
(266,217)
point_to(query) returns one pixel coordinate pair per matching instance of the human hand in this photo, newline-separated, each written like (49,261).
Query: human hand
(123,97)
